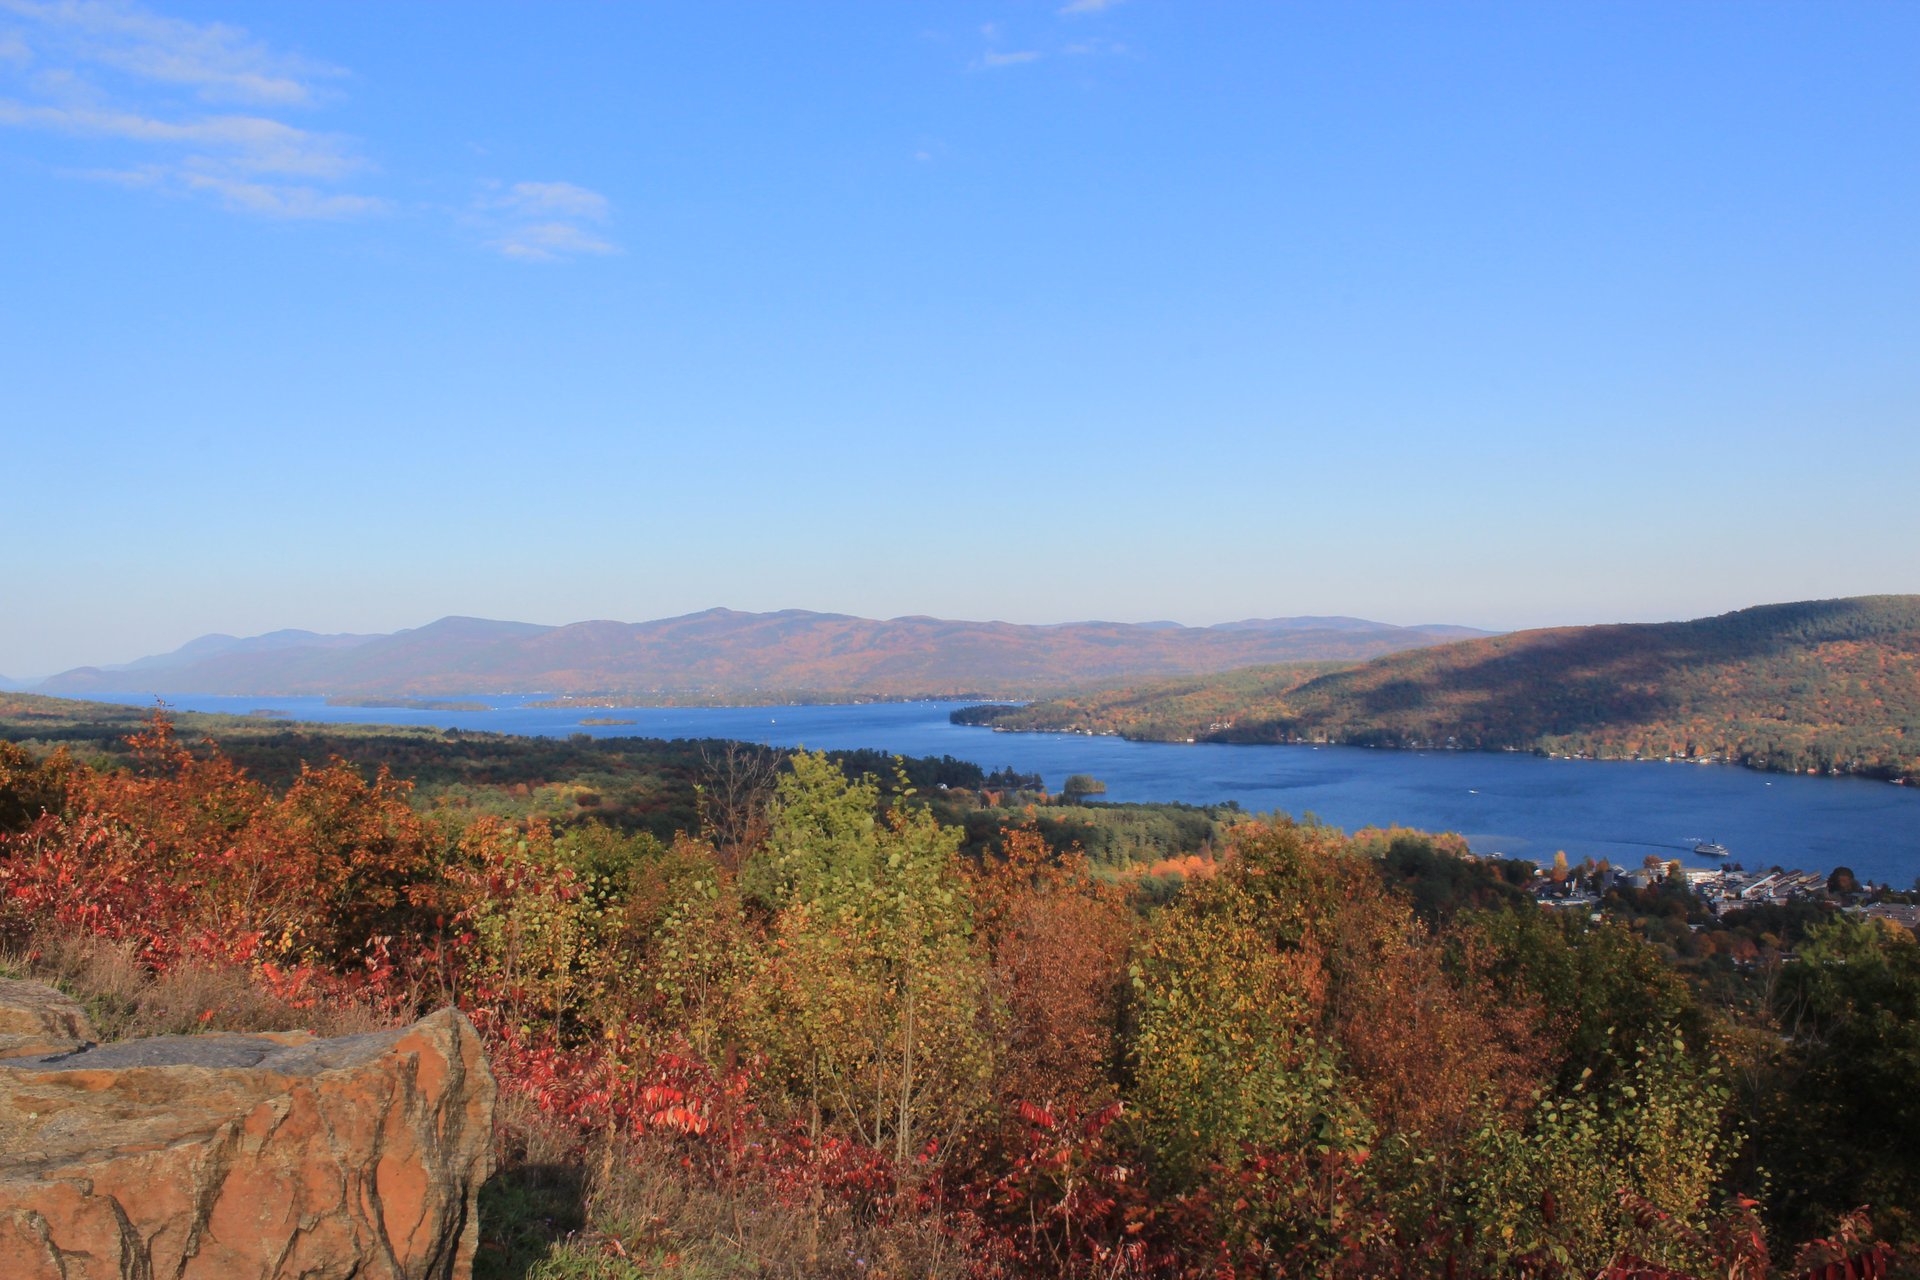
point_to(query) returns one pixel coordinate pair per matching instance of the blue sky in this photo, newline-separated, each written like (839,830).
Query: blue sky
(351,316)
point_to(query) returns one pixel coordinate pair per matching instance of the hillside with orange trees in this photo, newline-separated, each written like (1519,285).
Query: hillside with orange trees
(838,1047)
(1828,686)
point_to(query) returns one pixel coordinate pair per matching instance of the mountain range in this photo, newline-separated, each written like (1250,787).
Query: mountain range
(723,654)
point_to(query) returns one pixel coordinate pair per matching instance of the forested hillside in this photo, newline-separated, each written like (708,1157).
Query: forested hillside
(1830,685)
(831,1042)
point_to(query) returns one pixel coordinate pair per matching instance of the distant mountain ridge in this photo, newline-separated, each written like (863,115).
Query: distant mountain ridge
(724,653)
(217,645)
(1825,685)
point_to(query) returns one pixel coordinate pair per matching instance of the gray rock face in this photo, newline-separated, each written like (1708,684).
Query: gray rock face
(240,1157)
(300,1055)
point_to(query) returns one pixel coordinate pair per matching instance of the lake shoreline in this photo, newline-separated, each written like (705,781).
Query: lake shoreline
(1510,802)
(1871,774)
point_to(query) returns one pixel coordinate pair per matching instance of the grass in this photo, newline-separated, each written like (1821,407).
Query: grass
(560,1208)
(125,1000)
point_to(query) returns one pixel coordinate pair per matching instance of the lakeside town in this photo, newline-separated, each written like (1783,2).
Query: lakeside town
(1720,891)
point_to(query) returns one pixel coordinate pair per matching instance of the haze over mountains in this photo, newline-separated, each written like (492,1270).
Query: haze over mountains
(722,653)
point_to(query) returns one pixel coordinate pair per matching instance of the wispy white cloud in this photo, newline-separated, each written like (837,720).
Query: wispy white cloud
(544,221)
(208,111)
(551,241)
(994,58)
(114,73)
(267,199)
(1000,49)
(283,200)
(219,63)
(558,199)
(254,143)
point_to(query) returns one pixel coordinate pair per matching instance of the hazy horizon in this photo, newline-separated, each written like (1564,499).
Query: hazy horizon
(344,319)
(167,648)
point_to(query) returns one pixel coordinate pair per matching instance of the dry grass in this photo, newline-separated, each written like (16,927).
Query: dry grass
(126,1000)
(535,1203)
(616,1209)
(640,1199)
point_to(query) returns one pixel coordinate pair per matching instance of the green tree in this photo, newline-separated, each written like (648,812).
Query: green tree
(1603,990)
(1841,1124)
(870,1002)
(1234,1081)
(1574,1185)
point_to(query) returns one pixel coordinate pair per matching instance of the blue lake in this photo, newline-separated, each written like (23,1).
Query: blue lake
(1519,805)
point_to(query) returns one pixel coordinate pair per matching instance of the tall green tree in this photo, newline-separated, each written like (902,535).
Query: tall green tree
(870,1003)
(1841,1126)
(1238,1089)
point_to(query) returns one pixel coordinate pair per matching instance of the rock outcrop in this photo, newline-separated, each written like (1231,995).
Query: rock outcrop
(238,1157)
(36,1020)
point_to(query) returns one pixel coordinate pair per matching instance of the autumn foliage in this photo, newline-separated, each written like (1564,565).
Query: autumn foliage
(1284,1071)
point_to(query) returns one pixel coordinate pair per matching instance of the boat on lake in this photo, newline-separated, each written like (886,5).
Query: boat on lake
(1708,849)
